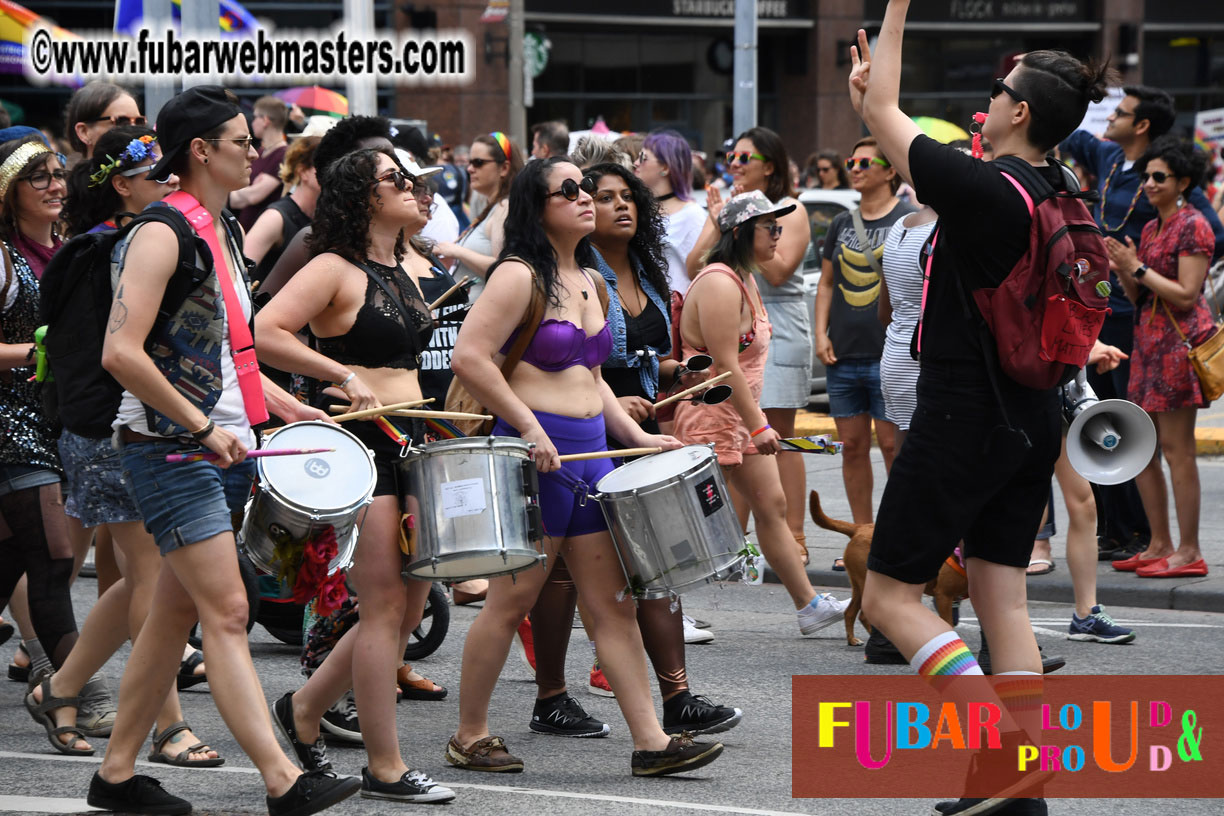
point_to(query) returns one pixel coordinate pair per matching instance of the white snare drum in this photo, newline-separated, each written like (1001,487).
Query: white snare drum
(300,495)
(671,519)
(476,509)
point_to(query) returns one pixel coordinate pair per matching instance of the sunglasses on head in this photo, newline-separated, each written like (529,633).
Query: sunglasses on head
(479,163)
(1001,87)
(865,162)
(1156,176)
(743,157)
(570,188)
(399,178)
(143,171)
(122,121)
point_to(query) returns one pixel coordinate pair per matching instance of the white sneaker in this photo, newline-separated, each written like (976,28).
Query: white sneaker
(694,635)
(824,610)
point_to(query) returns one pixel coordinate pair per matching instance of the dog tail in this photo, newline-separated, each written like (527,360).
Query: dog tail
(844,527)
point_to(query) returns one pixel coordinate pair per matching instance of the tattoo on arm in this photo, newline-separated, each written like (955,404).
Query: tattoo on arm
(119,312)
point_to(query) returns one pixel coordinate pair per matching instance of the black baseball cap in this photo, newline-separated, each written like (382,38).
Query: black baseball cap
(186,116)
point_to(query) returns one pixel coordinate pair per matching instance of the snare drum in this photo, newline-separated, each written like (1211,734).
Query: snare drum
(300,495)
(474,500)
(671,519)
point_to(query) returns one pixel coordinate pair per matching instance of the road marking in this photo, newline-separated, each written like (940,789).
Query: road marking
(42,804)
(38,804)
(1058,621)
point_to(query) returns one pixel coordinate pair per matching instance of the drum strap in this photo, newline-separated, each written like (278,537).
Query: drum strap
(581,489)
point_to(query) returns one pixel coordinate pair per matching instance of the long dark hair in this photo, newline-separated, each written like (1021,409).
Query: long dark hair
(736,248)
(769,145)
(525,235)
(341,225)
(87,206)
(647,242)
(8,205)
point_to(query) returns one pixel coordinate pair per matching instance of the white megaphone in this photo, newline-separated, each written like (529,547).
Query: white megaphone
(1110,441)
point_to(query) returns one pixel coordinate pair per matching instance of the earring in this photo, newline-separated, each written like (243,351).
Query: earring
(664,171)
(206,160)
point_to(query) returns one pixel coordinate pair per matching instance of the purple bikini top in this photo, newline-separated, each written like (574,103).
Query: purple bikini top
(559,344)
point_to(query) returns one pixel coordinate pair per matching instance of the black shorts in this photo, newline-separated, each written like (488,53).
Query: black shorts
(962,475)
(386,451)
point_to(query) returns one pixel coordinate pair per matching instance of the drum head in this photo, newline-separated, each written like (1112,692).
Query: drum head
(654,469)
(318,481)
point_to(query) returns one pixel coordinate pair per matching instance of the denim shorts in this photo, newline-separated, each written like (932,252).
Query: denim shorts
(854,389)
(94,491)
(23,477)
(186,502)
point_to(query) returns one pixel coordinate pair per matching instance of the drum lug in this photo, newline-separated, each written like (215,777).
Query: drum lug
(531,478)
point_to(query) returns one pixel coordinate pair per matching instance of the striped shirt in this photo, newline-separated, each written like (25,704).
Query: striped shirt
(903,275)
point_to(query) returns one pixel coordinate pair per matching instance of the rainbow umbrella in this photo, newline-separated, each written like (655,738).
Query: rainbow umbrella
(232,17)
(314,99)
(941,130)
(15,21)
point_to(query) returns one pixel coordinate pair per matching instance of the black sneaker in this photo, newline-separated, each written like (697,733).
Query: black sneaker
(413,786)
(140,794)
(680,755)
(1048,663)
(313,791)
(698,715)
(880,651)
(340,721)
(562,716)
(1005,807)
(311,756)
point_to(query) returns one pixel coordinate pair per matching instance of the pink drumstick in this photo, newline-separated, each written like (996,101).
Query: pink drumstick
(255,454)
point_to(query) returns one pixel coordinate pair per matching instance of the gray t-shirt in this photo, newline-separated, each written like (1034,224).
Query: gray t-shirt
(854,326)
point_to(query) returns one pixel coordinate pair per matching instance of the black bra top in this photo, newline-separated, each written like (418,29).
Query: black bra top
(378,337)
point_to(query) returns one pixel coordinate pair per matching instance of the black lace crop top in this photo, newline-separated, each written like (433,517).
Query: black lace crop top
(379,338)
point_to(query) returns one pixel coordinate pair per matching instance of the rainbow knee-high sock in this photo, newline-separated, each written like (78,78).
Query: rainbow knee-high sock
(943,657)
(1020,693)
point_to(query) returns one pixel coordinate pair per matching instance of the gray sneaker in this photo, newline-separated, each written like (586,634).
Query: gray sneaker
(96,713)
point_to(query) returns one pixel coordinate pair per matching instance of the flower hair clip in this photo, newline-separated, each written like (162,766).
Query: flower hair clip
(136,151)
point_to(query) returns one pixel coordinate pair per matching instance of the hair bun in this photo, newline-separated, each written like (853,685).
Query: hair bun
(1098,78)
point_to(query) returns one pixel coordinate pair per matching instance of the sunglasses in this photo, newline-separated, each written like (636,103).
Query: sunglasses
(399,178)
(143,170)
(1122,114)
(866,162)
(825,168)
(122,121)
(571,188)
(643,157)
(1156,176)
(1001,87)
(479,163)
(42,179)
(245,142)
(743,157)
(775,230)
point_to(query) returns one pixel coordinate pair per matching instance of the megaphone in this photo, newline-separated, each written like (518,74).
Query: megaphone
(1110,441)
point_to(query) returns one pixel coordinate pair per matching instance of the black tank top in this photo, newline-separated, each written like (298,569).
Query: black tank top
(379,337)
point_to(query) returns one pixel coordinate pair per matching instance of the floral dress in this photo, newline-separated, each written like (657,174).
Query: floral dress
(1161,377)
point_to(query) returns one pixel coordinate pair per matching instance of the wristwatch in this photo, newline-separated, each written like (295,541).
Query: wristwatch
(1141,271)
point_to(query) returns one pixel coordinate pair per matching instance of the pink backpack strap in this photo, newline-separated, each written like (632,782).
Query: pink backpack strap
(1028,199)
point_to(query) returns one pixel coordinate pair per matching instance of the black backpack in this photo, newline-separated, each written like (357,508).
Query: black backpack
(76,297)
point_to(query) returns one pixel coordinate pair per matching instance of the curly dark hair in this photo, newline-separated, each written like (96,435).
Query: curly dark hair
(85,207)
(1185,160)
(340,225)
(647,242)
(344,136)
(525,236)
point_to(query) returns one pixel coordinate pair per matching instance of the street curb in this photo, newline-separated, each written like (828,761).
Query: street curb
(1208,441)
(1114,588)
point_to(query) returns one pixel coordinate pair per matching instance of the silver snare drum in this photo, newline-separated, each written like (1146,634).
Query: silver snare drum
(475,503)
(672,521)
(300,495)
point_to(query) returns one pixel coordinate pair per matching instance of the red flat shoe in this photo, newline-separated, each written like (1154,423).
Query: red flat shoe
(1195,569)
(1135,562)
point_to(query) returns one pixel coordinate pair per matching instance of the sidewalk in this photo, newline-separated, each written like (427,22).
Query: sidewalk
(1113,587)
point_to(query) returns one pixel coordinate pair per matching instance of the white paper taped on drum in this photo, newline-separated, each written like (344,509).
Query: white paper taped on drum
(298,496)
(475,502)
(672,522)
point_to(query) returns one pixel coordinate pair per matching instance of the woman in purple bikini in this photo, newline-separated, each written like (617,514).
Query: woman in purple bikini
(557,400)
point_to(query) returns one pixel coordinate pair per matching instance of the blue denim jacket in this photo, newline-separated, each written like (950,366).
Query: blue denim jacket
(648,363)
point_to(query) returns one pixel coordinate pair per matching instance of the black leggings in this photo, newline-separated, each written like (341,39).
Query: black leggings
(38,547)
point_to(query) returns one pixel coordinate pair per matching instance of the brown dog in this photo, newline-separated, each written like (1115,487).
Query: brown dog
(948,587)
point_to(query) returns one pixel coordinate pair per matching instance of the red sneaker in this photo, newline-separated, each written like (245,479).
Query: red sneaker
(599,683)
(526,644)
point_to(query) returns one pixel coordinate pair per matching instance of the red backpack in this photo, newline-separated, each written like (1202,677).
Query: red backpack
(1047,313)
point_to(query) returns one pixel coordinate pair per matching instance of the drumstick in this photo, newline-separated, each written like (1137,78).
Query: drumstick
(206,456)
(812,444)
(372,412)
(439,414)
(574,457)
(694,389)
(446,295)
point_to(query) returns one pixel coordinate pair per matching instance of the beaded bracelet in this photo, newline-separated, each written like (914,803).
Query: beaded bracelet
(760,430)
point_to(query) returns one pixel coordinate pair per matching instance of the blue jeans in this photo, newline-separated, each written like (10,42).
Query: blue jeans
(854,389)
(184,502)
